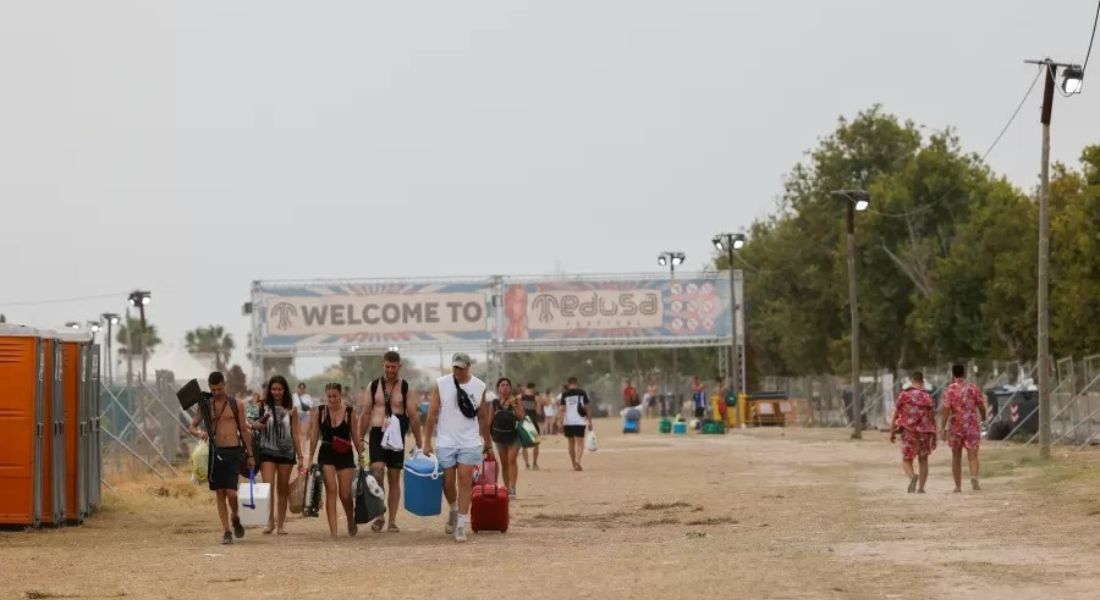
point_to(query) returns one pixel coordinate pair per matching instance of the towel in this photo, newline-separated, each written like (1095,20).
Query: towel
(391,437)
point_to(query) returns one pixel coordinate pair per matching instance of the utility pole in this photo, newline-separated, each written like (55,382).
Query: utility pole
(855,201)
(1044,268)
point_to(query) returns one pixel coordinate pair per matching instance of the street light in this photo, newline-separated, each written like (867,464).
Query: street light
(856,201)
(111,319)
(1071,84)
(72,325)
(728,242)
(671,260)
(140,299)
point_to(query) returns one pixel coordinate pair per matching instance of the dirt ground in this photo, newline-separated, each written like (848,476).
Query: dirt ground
(796,513)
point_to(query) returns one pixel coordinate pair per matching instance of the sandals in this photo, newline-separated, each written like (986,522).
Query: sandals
(269,529)
(282,532)
(913,484)
(393,528)
(352,528)
(377,525)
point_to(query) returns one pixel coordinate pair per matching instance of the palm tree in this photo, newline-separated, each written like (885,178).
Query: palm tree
(144,342)
(212,343)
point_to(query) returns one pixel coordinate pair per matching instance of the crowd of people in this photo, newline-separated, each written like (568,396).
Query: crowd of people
(269,434)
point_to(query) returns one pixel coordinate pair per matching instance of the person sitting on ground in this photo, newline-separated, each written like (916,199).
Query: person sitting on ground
(226,430)
(915,417)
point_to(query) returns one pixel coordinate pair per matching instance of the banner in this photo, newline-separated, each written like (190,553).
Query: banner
(374,314)
(698,307)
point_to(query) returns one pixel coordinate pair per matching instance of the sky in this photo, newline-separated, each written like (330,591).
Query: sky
(189,148)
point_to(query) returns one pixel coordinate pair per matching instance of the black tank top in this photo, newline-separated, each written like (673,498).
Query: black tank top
(530,403)
(343,430)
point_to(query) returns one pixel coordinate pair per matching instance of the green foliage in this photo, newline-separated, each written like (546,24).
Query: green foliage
(144,340)
(211,343)
(946,258)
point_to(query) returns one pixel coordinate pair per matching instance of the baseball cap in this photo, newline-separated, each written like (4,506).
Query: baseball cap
(461,360)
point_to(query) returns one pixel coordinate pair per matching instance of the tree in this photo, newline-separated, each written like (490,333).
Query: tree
(1075,257)
(145,340)
(210,343)
(3,319)
(235,381)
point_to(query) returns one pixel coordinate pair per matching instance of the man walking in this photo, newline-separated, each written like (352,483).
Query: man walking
(304,403)
(224,422)
(576,414)
(698,397)
(388,397)
(960,426)
(915,417)
(460,415)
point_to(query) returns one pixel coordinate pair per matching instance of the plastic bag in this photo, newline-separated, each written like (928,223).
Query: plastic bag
(200,462)
(590,441)
(528,434)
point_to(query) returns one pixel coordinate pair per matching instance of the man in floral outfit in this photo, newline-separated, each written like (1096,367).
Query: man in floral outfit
(960,426)
(915,417)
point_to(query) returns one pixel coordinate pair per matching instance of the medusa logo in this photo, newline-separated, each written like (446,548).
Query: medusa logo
(283,311)
(544,303)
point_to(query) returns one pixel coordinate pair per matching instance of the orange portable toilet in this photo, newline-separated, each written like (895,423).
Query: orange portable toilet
(22,426)
(73,352)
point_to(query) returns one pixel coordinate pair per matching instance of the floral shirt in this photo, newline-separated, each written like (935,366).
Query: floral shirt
(916,411)
(962,399)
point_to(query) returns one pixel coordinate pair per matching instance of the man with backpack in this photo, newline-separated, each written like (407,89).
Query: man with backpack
(225,427)
(388,398)
(576,414)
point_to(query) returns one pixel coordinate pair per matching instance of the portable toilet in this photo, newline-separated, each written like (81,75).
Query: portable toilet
(73,350)
(52,427)
(22,407)
(94,464)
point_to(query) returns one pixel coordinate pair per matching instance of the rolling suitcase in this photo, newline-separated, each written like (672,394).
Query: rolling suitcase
(489,508)
(488,472)
(315,487)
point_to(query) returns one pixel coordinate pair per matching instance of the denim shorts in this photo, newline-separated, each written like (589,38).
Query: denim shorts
(449,457)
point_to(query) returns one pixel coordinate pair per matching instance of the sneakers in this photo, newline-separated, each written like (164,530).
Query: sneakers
(460,533)
(227,539)
(238,529)
(452,522)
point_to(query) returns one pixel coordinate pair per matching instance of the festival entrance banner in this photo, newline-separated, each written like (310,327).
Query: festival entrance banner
(680,309)
(374,314)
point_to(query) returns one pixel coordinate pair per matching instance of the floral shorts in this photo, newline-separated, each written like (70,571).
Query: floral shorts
(916,444)
(969,439)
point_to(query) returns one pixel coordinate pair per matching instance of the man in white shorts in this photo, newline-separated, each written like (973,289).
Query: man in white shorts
(459,415)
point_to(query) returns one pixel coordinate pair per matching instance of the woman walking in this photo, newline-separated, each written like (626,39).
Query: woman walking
(332,427)
(549,413)
(507,443)
(279,447)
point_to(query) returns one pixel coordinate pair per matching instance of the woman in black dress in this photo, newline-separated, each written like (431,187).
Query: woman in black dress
(279,449)
(333,428)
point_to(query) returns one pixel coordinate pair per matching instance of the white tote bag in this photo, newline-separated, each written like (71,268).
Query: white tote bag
(391,437)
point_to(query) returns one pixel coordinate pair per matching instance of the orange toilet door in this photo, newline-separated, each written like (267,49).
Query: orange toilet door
(18,371)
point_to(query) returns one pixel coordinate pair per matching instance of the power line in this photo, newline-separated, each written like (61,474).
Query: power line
(64,300)
(1095,19)
(1015,113)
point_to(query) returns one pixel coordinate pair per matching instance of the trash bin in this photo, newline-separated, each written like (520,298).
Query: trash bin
(1012,406)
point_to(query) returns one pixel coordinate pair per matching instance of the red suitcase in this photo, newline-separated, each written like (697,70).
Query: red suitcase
(489,508)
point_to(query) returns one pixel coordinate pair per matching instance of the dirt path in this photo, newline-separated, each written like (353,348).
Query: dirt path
(759,514)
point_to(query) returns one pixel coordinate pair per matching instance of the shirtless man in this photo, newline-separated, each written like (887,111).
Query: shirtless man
(386,398)
(224,421)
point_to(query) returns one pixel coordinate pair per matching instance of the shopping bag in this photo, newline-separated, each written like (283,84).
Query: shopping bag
(391,437)
(296,496)
(590,441)
(528,433)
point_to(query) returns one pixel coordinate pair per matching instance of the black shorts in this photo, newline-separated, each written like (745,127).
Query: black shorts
(575,431)
(393,459)
(225,468)
(327,456)
(699,411)
(279,460)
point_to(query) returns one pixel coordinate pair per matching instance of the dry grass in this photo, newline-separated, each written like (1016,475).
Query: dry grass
(800,515)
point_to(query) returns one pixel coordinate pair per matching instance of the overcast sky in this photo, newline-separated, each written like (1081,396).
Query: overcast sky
(190,148)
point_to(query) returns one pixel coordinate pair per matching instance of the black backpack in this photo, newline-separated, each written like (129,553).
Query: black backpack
(503,428)
(404,396)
